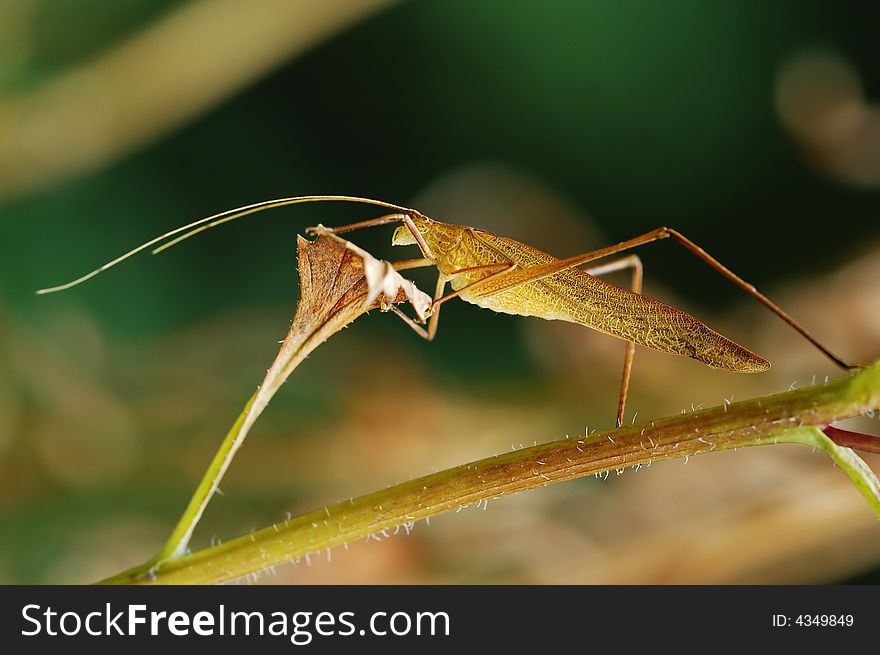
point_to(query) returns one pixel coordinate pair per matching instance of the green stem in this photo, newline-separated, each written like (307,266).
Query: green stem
(846,459)
(180,536)
(792,417)
(294,349)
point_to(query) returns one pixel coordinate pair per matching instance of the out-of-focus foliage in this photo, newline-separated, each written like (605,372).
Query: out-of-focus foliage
(566,125)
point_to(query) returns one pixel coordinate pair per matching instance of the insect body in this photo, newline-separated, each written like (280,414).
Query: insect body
(571,294)
(504,275)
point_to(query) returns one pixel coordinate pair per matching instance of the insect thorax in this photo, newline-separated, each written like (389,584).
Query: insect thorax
(455,247)
(452,245)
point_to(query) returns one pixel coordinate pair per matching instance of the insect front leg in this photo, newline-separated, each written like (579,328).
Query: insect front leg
(398,217)
(429,333)
(439,298)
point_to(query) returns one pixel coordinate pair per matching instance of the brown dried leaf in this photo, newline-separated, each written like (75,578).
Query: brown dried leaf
(338,282)
(384,284)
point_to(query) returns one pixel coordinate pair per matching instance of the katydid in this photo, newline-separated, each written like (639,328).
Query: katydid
(507,276)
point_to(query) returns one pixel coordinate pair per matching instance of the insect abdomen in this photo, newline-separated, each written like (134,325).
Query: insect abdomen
(659,326)
(577,297)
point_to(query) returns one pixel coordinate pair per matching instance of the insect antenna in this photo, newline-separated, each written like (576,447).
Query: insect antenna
(191,229)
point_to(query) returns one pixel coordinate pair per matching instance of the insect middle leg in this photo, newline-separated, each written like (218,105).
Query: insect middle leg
(633,263)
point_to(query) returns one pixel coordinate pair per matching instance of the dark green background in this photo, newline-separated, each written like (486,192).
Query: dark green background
(644,113)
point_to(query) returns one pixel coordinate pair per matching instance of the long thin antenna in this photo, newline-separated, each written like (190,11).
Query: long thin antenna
(195,227)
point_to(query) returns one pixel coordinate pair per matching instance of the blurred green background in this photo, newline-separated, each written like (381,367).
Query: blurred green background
(747,125)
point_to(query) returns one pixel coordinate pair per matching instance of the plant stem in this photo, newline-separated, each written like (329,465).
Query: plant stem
(333,289)
(294,350)
(791,417)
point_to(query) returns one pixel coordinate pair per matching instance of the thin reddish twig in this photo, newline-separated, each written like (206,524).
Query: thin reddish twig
(868,443)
